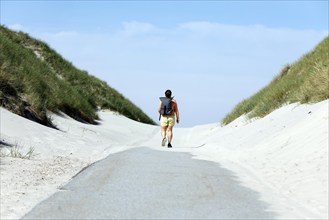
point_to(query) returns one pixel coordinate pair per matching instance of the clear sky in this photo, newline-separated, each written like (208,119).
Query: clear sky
(211,54)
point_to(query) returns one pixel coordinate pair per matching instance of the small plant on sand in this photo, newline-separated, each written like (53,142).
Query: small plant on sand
(16,152)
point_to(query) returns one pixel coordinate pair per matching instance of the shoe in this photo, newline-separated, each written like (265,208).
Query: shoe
(169,145)
(163,143)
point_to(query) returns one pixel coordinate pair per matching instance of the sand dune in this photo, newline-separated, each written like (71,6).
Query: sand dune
(283,156)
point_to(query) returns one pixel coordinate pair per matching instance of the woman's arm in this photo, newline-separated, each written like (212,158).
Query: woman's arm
(176,112)
(159,108)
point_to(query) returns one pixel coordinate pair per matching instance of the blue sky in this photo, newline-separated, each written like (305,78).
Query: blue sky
(211,54)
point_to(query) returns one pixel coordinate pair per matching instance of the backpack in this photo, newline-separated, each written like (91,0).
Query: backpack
(166,108)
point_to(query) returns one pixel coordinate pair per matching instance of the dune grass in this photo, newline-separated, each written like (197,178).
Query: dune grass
(305,81)
(15,151)
(35,79)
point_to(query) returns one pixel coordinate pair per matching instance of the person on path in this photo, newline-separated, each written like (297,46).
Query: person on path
(168,109)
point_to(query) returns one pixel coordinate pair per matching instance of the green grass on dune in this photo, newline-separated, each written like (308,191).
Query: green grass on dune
(305,81)
(35,79)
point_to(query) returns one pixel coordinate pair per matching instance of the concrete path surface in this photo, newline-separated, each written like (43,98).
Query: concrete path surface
(144,183)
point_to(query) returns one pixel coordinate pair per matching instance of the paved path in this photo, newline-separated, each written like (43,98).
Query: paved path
(149,184)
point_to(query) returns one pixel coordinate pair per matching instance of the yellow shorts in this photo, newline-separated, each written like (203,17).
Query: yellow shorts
(167,121)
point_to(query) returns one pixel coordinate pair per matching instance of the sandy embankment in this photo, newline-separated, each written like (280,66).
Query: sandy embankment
(284,156)
(58,154)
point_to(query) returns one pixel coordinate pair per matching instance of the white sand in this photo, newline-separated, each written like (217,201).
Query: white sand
(284,156)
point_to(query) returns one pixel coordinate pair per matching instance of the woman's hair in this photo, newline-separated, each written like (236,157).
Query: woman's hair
(168,93)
